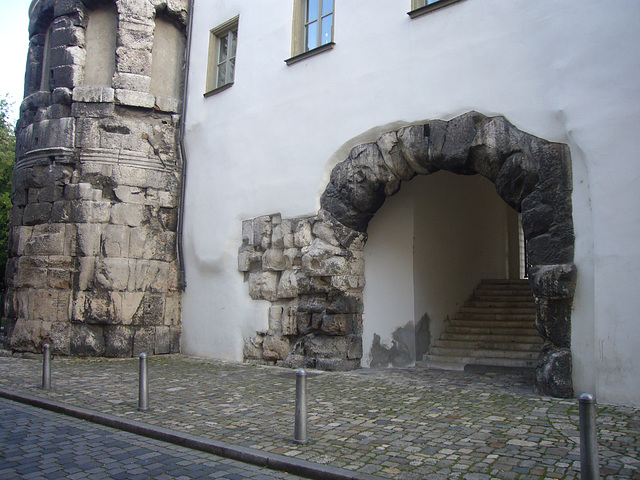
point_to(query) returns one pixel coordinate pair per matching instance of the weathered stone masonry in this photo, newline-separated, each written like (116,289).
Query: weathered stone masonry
(312,269)
(92,266)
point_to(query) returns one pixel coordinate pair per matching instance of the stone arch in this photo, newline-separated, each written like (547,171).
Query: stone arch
(312,269)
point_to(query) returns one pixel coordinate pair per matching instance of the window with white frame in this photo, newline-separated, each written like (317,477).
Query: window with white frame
(312,28)
(223,43)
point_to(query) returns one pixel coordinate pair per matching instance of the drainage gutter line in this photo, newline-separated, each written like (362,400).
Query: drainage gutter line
(182,279)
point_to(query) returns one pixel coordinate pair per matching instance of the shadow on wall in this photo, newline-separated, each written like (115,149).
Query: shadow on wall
(402,351)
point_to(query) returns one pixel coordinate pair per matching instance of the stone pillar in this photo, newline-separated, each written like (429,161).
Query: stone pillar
(92,266)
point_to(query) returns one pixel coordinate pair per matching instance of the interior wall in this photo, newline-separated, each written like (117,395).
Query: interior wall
(388,294)
(460,238)
(428,248)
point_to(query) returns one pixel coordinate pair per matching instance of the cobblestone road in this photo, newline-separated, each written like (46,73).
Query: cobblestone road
(409,424)
(37,444)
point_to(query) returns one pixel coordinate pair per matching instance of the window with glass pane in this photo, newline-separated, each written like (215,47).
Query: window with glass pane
(318,26)
(223,43)
(226,58)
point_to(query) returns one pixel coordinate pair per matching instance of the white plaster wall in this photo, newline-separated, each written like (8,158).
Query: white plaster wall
(388,295)
(564,70)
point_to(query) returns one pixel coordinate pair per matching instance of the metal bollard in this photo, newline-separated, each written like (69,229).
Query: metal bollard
(143,397)
(300,433)
(46,366)
(589,468)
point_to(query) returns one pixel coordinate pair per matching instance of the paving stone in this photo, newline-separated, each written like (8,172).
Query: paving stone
(394,423)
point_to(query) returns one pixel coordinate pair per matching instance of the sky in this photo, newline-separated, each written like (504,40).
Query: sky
(14,38)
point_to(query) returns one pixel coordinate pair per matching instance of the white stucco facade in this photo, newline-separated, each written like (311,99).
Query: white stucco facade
(563,70)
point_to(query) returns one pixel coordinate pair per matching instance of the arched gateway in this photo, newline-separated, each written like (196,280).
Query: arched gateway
(311,269)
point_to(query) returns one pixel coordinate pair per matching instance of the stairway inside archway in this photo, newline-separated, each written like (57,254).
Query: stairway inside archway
(494,329)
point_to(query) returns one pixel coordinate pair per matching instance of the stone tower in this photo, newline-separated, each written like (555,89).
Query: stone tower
(93,268)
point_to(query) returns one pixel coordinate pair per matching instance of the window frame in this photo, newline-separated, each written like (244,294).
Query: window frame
(419,8)
(216,36)
(299,45)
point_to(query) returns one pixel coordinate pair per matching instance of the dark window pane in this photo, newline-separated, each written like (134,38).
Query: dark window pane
(222,70)
(234,43)
(232,70)
(224,44)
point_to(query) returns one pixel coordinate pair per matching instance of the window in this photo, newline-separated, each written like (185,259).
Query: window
(318,24)
(420,7)
(312,28)
(223,42)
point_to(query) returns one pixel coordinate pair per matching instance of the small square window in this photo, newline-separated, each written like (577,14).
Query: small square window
(223,43)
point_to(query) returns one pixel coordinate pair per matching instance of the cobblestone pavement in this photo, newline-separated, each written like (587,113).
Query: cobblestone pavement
(37,444)
(409,423)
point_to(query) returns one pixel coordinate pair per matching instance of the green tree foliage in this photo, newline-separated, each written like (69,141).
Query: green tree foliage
(7,157)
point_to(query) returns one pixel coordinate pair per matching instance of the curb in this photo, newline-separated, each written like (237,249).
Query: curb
(252,456)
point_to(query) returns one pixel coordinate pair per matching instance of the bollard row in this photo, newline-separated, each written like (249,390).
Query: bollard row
(589,467)
(300,430)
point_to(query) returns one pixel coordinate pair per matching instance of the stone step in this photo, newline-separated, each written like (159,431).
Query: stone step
(491,317)
(492,324)
(503,302)
(462,337)
(484,353)
(496,310)
(487,345)
(468,360)
(507,296)
(504,281)
(491,330)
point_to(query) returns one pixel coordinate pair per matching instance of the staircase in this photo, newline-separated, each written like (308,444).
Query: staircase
(495,328)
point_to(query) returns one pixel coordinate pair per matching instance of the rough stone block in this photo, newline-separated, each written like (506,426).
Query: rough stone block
(165,104)
(275,320)
(129,214)
(273,259)
(127,194)
(132,81)
(61,338)
(149,275)
(115,241)
(132,98)
(113,273)
(37,213)
(150,310)
(61,212)
(126,305)
(263,286)
(89,239)
(28,335)
(86,341)
(144,341)
(118,341)
(149,244)
(348,283)
(174,339)
(162,341)
(90,212)
(326,346)
(288,285)
(94,307)
(249,260)
(252,349)
(172,309)
(275,347)
(86,272)
(93,94)
(302,235)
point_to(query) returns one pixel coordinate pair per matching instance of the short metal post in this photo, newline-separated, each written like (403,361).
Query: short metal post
(143,397)
(589,468)
(300,434)
(46,366)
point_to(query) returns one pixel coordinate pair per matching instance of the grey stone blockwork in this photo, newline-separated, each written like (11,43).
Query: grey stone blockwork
(92,266)
(312,269)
